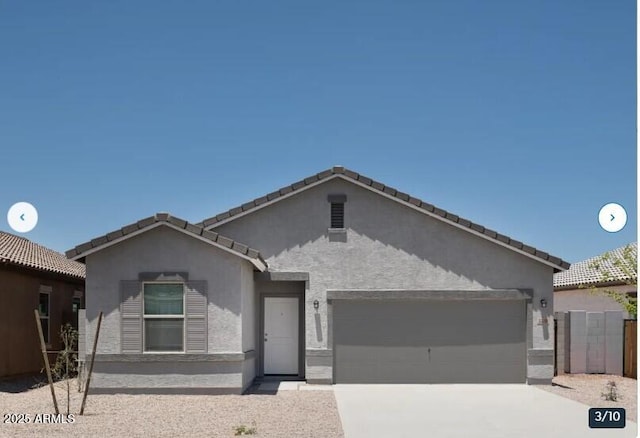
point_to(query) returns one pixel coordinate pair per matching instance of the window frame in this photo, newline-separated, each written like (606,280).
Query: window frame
(45,290)
(165,316)
(76,313)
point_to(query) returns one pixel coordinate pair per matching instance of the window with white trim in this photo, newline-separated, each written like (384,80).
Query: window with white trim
(44,308)
(163,317)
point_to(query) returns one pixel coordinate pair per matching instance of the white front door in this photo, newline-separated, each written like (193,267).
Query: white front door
(281,335)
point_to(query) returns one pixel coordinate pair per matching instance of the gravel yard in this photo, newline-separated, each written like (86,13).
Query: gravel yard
(287,413)
(587,389)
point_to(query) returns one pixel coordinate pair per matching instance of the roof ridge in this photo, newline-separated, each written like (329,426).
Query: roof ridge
(343,172)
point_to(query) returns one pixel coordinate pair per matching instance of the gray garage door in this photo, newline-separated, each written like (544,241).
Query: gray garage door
(476,341)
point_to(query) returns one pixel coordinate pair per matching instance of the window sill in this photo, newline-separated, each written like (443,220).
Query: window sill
(164,352)
(337,234)
(174,357)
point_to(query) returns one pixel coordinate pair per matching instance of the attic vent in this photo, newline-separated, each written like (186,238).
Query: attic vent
(337,210)
(337,215)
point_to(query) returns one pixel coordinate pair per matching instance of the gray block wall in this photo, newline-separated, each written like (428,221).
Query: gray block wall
(561,361)
(614,342)
(82,323)
(594,341)
(578,341)
(165,377)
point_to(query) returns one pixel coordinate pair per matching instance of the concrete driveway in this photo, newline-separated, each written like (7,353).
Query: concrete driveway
(464,411)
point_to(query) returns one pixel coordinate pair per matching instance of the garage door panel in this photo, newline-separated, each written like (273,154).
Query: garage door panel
(429,342)
(367,323)
(452,337)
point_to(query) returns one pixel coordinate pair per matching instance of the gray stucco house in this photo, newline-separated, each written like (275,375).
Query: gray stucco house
(334,279)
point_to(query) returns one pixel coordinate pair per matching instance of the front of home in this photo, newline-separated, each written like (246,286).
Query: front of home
(334,279)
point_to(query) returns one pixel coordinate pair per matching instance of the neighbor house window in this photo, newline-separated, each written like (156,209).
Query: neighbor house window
(337,210)
(76,302)
(44,309)
(163,317)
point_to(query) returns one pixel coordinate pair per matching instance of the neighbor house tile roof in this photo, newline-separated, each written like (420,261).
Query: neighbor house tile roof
(585,273)
(19,251)
(123,233)
(339,171)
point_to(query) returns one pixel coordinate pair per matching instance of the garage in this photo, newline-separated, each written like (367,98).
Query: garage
(429,341)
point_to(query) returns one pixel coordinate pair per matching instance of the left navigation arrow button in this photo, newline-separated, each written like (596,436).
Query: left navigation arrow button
(22,217)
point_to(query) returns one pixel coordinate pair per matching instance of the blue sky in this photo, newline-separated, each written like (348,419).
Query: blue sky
(517,115)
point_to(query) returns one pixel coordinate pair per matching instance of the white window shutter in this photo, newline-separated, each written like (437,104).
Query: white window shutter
(131,317)
(196,314)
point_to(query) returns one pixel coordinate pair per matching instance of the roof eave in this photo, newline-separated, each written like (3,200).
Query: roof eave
(589,285)
(73,276)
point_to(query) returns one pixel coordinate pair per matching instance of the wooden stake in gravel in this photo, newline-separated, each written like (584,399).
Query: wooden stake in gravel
(45,357)
(93,358)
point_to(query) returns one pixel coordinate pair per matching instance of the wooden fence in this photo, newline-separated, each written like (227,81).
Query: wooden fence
(630,367)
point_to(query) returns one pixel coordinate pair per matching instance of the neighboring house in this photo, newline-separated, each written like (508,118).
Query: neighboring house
(34,277)
(568,295)
(337,279)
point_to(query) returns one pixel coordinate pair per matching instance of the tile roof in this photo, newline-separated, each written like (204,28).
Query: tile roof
(584,273)
(123,233)
(339,171)
(19,251)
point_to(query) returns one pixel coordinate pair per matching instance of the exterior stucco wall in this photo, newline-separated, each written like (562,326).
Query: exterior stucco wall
(248,308)
(249,323)
(182,377)
(387,246)
(166,250)
(248,373)
(584,299)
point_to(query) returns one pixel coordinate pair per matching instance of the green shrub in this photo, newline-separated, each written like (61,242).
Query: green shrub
(245,430)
